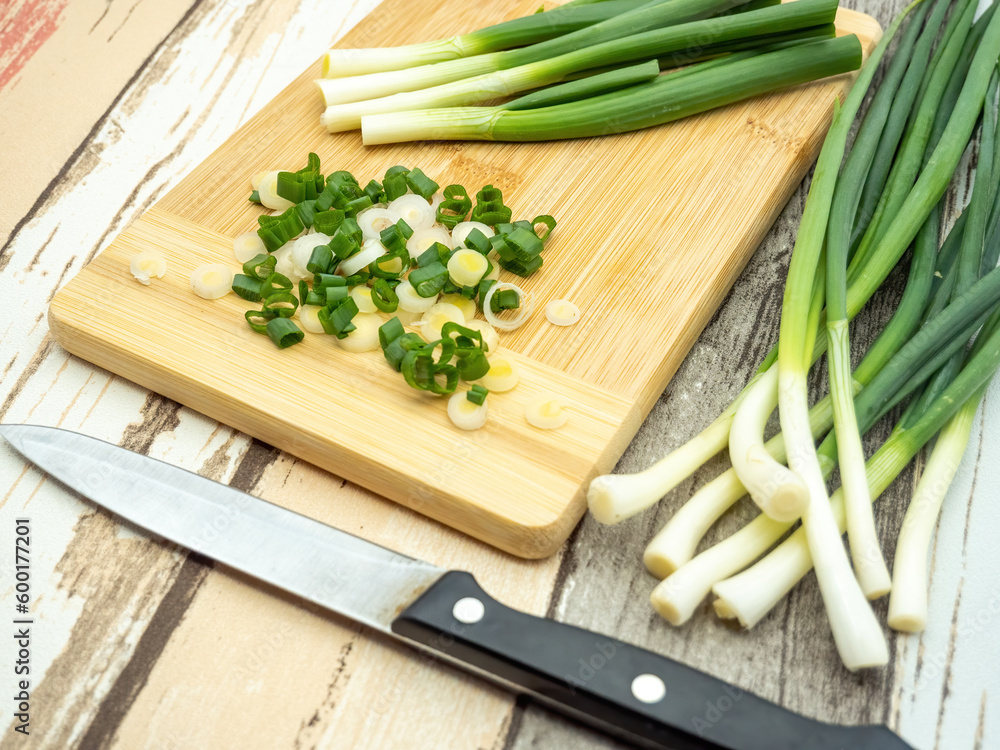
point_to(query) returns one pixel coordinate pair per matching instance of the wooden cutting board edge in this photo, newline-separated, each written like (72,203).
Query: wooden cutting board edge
(102,314)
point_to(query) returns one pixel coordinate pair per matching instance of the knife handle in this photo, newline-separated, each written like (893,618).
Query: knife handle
(625,690)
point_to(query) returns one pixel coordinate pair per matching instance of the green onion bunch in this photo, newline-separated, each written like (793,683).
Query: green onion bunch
(870,202)
(583,70)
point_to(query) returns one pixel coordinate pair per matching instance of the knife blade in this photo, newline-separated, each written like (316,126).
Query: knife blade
(622,689)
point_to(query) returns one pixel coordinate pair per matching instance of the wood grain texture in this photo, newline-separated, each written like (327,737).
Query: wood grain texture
(683,240)
(117,670)
(323,409)
(57,45)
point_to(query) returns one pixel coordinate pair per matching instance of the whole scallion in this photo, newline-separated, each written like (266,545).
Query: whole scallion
(517,32)
(855,630)
(661,101)
(651,15)
(689,37)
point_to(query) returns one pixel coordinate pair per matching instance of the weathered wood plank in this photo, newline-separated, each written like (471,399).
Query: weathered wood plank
(61,48)
(351,688)
(85,663)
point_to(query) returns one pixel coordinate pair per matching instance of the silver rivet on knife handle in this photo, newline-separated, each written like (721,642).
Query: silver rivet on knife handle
(468,610)
(648,688)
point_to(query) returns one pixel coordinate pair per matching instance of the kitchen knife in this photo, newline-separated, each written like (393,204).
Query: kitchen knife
(627,691)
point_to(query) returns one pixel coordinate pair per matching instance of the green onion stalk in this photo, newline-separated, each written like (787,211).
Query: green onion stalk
(856,631)
(614,498)
(517,32)
(937,341)
(910,160)
(866,555)
(651,15)
(666,99)
(691,39)
(754,592)
(908,602)
(601,83)
(723,52)
(675,544)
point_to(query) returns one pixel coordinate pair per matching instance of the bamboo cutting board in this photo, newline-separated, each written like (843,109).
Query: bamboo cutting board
(653,229)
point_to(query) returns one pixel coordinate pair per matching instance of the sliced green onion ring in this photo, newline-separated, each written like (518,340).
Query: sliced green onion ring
(260,266)
(283,332)
(246,287)
(384,296)
(523,313)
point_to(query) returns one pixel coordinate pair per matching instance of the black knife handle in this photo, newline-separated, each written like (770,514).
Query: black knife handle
(600,680)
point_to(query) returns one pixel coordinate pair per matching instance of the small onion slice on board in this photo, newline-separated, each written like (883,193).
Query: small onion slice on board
(370,251)
(546,413)
(490,336)
(267,191)
(463,228)
(424,238)
(523,312)
(465,414)
(373,220)
(362,296)
(308,316)
(502,376)
(414,210)
(147,265)
(467,267)
(562,312)
(364,337)
(212,280)
(248,245)
(410,301)
(467,306)
(436,316)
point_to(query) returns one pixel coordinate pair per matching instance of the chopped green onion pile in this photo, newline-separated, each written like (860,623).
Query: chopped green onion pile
(584,70)
(927,370)
(340,251)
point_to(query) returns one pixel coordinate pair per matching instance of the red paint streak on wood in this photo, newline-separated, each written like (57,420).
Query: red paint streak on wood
(24,31)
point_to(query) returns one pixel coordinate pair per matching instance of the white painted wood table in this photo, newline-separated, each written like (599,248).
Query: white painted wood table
(104,104)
